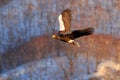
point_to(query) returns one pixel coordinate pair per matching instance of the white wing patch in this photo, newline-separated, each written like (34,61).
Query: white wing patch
(61,23)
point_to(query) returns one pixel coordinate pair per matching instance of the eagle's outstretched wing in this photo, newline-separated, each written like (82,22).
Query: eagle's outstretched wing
(64,21)
(78,33)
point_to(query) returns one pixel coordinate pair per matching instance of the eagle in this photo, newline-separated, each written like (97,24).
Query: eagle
(67,35)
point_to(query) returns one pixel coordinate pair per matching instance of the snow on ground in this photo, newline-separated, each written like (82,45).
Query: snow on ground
(59,69)
(107,70)
(34,68)
(48,69)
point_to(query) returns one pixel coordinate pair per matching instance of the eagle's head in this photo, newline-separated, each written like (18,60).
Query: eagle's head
(54,36)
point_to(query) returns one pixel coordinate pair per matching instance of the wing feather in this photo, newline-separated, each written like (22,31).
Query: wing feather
(61,24)
(65,21)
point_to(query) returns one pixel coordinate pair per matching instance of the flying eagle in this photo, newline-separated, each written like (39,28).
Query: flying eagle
(65,34)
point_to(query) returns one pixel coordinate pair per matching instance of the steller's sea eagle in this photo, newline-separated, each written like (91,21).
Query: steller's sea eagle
(65,34)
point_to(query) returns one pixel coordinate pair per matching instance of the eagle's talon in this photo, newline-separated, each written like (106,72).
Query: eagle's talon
(74,43)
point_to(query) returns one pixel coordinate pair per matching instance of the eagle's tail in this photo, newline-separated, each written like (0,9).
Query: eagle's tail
(84,32)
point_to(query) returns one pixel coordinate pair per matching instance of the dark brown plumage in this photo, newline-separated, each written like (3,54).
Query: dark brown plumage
(65,34)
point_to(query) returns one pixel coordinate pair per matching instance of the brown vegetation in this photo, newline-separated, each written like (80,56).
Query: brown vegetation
(98,46)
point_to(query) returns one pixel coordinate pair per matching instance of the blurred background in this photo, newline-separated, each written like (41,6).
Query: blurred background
(27,51)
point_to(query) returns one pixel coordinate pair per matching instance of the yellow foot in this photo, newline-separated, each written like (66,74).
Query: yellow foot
(74,43)
(77,43)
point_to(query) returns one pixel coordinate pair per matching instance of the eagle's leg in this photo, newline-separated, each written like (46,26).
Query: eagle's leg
(74,43)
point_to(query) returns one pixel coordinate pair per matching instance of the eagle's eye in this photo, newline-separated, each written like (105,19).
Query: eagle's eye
(53,36)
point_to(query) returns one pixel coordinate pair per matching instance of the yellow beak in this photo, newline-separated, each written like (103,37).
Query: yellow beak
(53,36)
